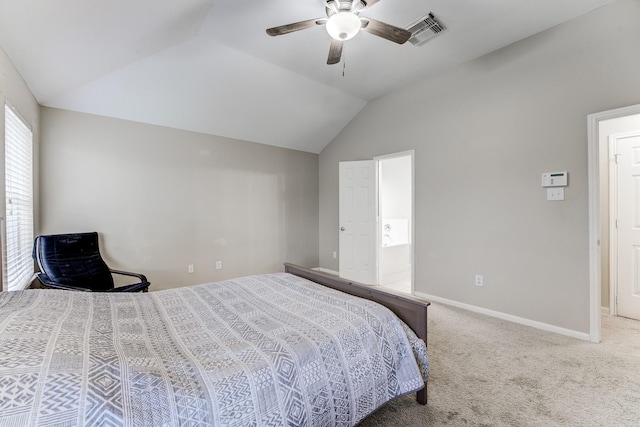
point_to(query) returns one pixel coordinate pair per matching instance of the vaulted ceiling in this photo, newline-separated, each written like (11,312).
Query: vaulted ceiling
(209,66)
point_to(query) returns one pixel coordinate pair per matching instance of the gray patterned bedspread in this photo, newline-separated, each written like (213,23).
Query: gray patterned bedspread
(262,350)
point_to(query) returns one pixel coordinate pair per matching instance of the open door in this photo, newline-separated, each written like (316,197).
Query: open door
(358,221)
(625,265)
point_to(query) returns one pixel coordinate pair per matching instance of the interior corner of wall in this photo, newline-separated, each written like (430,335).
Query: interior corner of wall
(2,80)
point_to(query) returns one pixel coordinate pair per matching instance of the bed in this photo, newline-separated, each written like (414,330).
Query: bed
(287,348)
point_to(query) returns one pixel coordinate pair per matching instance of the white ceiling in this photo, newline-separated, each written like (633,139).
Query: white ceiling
(208,65)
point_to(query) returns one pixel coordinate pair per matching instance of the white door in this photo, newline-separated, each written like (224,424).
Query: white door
(627,231)
(358,219)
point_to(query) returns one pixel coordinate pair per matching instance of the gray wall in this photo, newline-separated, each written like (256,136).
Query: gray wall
(15,91)
(483,133)
(162,198)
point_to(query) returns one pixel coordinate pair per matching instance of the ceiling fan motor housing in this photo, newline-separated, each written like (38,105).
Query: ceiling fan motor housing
(335,6)
(343,25)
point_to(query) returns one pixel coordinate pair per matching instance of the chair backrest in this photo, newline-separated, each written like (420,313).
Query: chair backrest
(73,260)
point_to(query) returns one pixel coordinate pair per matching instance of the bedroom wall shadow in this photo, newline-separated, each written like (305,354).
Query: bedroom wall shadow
(163,199)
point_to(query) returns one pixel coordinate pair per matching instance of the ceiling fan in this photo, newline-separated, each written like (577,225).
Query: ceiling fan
(343,22)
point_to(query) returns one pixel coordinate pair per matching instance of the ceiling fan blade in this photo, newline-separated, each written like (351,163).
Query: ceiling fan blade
(386,31)
(296,26)
(335,52)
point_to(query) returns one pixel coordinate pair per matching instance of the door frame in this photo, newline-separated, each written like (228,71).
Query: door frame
(412,155)
(613,230)
(594,175)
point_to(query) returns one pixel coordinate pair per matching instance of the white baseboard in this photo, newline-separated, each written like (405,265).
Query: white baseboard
(515,319)
(604,310)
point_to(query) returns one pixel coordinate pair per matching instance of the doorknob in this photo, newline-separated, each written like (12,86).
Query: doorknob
(342,228)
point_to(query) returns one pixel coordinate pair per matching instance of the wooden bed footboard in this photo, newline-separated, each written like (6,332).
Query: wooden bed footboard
(412,310)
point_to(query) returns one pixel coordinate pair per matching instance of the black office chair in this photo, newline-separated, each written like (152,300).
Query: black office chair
(73,262)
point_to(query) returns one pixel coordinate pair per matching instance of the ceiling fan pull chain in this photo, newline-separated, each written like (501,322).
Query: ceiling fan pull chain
(344,63)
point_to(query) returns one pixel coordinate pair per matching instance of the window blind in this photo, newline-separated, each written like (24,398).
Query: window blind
(19,201)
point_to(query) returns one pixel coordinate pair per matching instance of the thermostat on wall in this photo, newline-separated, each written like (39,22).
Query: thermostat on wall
(554,179)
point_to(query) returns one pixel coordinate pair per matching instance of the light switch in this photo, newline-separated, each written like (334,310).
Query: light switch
(555,193)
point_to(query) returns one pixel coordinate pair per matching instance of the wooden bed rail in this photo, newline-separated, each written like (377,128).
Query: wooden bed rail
(412,310)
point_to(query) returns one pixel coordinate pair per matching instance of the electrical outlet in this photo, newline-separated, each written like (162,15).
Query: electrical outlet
(218,265)
(479,280)
(190,268)
(335,255)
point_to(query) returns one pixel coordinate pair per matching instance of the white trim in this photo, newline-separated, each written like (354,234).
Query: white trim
(395,155)
(613,230)
(604,311)
(413,221)
(595,264)
(515,319)
(595,284)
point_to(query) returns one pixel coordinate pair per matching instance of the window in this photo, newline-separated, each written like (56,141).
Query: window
(19,201)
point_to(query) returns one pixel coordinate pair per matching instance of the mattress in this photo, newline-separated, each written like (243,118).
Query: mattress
(262,350)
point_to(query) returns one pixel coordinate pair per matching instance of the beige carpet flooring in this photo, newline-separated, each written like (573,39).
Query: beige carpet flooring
(490,372)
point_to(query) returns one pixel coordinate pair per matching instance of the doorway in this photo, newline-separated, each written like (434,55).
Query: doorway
(602,291)
(621,136)
(376,221)
(395,207)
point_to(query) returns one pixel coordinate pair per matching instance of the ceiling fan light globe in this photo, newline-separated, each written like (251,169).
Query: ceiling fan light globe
(343,26)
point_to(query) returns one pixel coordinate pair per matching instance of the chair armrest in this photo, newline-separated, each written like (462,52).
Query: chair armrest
(136,287)
(128,273)
(44,279)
